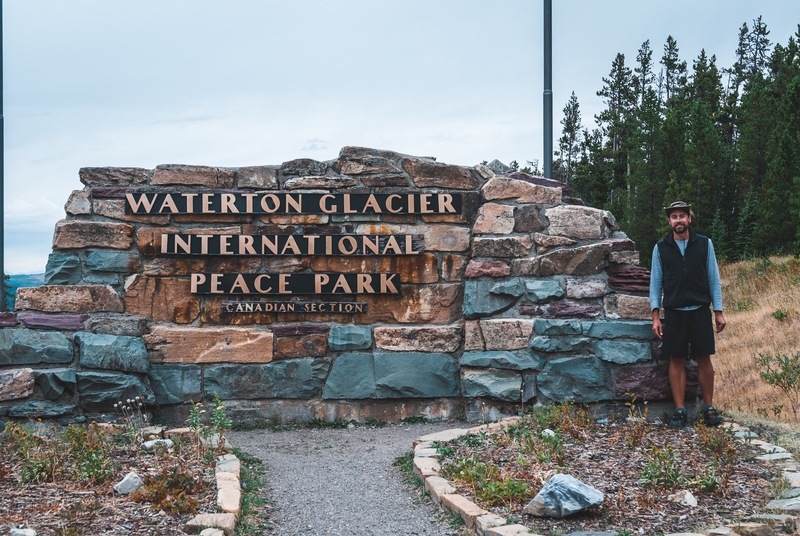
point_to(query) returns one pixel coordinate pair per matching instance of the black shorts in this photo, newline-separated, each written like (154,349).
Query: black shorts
(688,329)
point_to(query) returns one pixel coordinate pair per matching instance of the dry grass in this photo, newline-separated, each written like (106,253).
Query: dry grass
(754,293)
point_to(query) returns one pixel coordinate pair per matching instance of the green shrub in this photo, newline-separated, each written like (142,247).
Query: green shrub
(661,469)
(780,314)
(782,371)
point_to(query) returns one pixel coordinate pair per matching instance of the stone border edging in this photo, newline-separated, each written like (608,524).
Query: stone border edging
(229,500)
(479,522)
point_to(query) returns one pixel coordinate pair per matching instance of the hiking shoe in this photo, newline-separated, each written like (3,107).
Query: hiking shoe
(679,419)
(711,416)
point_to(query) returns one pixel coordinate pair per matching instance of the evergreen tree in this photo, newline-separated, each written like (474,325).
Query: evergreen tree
(757,49)
(744,241)
(737,72)
(672,150)
(618,123)
(590,182)
(706,85)
(756,123)
(778,221)
(644,216)
(569,146)
(703,160)
(731,149)
(644,71)
(674,72)
(719,236)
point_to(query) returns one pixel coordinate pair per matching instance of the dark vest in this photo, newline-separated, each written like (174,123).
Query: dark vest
(685,276)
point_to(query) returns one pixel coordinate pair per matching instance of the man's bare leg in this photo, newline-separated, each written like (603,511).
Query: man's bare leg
(705,376)
(677,379)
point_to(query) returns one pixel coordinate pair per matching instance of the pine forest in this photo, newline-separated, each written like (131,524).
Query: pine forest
(725,139)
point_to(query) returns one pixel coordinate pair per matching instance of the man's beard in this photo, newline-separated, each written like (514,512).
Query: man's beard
(679,228)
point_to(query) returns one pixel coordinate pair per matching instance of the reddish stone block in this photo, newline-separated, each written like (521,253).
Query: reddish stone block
(426,173)
(286,264)
(8,320)
(512,246)
(413,268)
(473,338)
(629,278)
(16,384)
(454,267)
(585,260)
(437,237)
(478,268)
(307,329)
(494,218)
(65,322)
(621,244)
(384,180)
(79,203)
(73,234)
(113,176)
(565,309)
(521,191)
(69,299)
(148,239)
(304,346)
(418,339)
(345,264)
(318,182)
(169,344)
(651,382)
(111,193)
(180,175)
(429,304)
(171,266)
(162,299)
(258,177)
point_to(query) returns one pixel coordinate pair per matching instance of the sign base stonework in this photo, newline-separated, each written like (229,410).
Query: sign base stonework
(376,285)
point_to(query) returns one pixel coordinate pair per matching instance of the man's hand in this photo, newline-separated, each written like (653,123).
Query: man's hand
(658,329)
(719,320)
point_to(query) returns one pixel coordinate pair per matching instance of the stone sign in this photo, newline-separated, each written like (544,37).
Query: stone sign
(374,286)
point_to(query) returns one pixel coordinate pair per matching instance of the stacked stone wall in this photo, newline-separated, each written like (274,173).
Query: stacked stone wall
(523,297)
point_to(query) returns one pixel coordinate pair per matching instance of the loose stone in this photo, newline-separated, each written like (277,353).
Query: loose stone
(129,484)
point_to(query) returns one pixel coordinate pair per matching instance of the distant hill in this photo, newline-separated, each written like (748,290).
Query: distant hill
(21,280)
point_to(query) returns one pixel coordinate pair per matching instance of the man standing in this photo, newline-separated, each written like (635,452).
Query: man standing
(685,269)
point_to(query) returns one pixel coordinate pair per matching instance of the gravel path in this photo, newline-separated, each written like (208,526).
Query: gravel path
(331,482)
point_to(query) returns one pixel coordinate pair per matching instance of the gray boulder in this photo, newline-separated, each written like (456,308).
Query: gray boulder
(500,384)
(173,384)
(27,347)
(129,484)
(563,495)
(484,298)
(99,391)
(112,352)
(53,382)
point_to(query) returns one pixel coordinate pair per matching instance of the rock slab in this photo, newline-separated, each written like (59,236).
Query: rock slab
(563,495)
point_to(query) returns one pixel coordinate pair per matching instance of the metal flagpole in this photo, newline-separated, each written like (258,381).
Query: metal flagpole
(2,175)
(548,89)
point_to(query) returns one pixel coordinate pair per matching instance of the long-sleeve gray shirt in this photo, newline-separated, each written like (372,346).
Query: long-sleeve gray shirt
(657,278)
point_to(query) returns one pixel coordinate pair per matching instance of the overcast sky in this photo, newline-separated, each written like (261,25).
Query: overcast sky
(248,82)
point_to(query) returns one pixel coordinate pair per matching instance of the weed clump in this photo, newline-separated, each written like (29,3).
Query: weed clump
(171,489)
